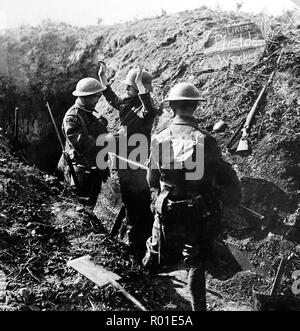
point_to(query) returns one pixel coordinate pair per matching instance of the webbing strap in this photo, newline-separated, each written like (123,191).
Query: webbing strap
(84,127)
(162,198)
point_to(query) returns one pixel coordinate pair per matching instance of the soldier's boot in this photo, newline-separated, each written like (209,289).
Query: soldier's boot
(93,194)
(197,287)
(138,231)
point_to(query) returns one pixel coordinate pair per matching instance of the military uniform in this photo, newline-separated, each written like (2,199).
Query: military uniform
(188,211)
(81,129)
(137,115)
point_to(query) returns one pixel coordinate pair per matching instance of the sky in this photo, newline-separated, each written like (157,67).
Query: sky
(85,12)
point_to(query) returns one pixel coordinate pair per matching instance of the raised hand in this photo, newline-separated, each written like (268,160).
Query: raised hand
(139,75)
(138,80)
(102,69)
(102,73)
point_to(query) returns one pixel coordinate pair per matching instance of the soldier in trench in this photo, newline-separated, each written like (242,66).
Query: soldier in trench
(81,129)
(137,113)
(194,183)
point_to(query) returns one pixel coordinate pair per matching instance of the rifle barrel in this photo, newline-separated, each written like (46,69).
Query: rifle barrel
(118,222)
(255,106)
(136,164)
(16,133)
(235,136)
(253,213)
(55,127)
(66,156)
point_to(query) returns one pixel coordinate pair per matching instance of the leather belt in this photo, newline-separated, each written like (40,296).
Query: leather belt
(186,202)
(191,203)
(161,199)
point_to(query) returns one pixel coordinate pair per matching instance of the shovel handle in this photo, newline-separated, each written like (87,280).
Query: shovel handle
(278,276)
(118,222)
(128,296)
(253,213)
(234,137)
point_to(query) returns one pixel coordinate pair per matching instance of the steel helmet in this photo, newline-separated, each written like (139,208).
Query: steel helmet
(146,79)
(184,91)
(88,86)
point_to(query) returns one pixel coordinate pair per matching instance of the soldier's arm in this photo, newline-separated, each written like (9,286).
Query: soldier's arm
(108,93)
(148,106)
(144,95)
(81,142)
(113,99)
(224,177)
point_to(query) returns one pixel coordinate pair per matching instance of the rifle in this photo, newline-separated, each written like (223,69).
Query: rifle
(234,138)
(65,154)
(245,209)
(118,222)
(16,130)
(16,146)
(244,142)
(252,213)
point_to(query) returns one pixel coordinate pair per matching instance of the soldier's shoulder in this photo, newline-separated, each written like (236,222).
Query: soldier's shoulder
(197,132)
(199,128)
(72,115)
(209,141)
(162,133)
(74,110)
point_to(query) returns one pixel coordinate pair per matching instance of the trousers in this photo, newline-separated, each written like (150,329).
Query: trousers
(136,197)
(181,233)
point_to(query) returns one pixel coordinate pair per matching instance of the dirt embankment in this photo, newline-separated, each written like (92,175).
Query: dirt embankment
(40,229)
(49,60)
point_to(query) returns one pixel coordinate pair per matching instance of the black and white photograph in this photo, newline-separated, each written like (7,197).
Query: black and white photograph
(149,158)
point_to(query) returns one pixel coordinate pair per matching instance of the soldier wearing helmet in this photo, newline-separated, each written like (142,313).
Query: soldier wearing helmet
(81,129)
(189,204)
(137,113)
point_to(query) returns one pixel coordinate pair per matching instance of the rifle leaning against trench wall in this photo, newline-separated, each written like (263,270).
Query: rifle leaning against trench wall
(65,154)
(244,142)
(16,143)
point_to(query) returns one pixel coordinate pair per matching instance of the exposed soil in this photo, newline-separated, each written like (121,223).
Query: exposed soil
(41,228)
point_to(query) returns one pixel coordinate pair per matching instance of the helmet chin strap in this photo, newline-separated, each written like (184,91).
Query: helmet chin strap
(83,102)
